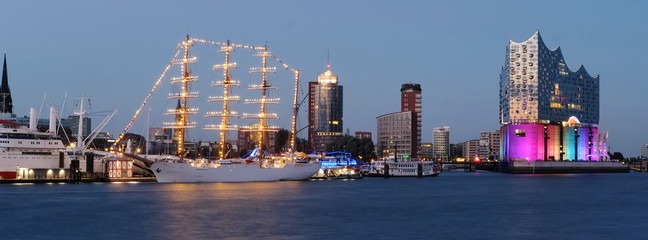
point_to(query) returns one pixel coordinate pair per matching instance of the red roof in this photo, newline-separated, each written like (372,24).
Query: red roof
(7,122)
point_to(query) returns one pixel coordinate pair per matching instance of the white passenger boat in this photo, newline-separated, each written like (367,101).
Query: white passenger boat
(403,169)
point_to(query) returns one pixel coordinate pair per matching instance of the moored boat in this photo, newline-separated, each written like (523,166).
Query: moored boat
(24,150)
(260,167)
(228,171)
(403,169)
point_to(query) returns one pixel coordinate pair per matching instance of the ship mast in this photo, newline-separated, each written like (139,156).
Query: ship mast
(80,143)
(293,137)
(182,111)
(227,83)
(262,127)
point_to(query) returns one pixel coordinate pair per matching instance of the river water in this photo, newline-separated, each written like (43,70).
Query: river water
(454,205)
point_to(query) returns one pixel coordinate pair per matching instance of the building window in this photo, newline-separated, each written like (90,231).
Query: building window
(520,133)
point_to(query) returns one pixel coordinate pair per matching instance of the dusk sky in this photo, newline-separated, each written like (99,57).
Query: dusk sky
(114,51)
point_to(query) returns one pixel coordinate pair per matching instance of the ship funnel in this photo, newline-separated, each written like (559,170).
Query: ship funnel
(33,120)
(52,120)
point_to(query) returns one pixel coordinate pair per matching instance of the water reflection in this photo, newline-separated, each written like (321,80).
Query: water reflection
(245,210)
(454,205)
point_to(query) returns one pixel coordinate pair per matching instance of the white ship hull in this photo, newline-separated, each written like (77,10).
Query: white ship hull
(168,172)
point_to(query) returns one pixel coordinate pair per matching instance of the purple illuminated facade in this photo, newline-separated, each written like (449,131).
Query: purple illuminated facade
(559,141)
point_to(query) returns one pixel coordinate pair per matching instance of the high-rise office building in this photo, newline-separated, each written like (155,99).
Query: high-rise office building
(411,100)
(395,141)
(548,111)
(324,111)
(441,143)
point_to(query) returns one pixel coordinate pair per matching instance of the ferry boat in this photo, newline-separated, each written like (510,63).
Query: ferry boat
(261,167)
(336,165)
(403,169)
(24,149)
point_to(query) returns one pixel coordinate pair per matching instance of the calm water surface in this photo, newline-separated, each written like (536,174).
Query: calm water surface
(455,205)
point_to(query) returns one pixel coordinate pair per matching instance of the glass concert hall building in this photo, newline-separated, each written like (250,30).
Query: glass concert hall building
(547,111)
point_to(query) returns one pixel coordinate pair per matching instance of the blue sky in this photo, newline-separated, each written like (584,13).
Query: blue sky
(113,51)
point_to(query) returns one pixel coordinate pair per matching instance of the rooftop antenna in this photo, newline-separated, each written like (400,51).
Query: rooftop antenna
(328,59)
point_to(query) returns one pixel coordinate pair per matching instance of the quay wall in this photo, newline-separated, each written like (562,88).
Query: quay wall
(533,167)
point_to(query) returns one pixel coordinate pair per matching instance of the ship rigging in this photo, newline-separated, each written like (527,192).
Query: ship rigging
(183,111)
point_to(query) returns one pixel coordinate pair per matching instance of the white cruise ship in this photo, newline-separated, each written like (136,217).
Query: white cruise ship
(23,147)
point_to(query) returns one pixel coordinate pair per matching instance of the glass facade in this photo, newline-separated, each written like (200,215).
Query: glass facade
(536,84)
(325,111)
(328,105)
(542,105)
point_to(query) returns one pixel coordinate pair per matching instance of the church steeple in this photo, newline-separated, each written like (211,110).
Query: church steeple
(6,104)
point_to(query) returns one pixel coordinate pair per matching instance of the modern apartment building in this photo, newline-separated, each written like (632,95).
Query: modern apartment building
(395,131)
(441,143)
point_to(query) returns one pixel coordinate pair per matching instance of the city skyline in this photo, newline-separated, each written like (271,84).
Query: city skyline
(453,49)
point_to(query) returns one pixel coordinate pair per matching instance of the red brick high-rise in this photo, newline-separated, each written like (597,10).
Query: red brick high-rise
(411,100)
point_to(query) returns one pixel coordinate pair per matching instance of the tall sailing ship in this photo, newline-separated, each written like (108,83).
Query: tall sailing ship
(258,166)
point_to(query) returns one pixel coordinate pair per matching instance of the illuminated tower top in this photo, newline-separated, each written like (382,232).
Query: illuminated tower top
(6,104)
(327,77)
